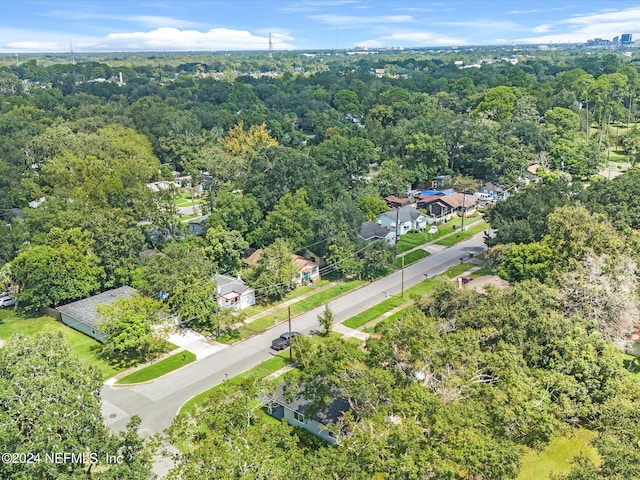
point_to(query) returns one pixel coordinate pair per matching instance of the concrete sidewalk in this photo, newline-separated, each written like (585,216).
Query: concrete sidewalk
(349,332)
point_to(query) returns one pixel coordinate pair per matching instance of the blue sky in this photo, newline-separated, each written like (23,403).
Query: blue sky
(209,25)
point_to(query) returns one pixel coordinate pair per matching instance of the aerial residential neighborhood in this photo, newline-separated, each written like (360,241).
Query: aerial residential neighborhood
(233,248)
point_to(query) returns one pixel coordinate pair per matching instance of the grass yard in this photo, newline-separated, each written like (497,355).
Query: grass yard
(85,348)
(556,458)
(390,319)
(480,272)
(635,374)
(453,272)
(460,236)
(158,369)
(412,240)
(374,312)
(420,289)
(232,385)
(411,257)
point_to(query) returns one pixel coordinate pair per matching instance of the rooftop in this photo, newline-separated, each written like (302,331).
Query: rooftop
(86,310)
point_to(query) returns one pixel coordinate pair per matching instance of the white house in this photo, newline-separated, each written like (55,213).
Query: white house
(83,315)
(371,231)
(408,218)
(233,293)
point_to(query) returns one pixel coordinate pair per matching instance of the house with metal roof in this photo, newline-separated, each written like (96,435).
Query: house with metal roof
(83,315)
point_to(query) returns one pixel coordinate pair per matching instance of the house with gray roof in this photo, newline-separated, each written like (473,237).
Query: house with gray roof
(371,231)
(297,413)
(408,218)
(83,315)
(233,293)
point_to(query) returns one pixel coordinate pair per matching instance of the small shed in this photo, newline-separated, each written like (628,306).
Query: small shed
(83,315)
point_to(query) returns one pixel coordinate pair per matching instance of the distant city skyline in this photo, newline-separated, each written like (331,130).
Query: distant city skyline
(219,25)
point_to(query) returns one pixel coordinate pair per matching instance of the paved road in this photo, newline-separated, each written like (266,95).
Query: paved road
(158,402)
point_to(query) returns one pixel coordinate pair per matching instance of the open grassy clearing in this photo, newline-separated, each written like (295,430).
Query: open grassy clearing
(556,458)
(460,236)
(158,369)
(85,348)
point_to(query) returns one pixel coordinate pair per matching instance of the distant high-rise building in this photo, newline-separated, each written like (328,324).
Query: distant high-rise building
(626,39)
(616,40)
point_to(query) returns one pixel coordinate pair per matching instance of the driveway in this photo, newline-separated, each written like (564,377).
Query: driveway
(158,402)
(196,343)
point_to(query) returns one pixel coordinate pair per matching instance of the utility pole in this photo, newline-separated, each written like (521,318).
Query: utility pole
(402,281)
(290,346)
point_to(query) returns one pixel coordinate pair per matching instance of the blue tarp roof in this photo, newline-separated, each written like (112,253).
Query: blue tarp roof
(437,192)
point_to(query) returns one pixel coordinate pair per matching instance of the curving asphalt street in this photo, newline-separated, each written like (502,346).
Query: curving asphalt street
(158,402)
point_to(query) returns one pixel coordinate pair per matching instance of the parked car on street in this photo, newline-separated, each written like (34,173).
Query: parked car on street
(283,341)
(8,301)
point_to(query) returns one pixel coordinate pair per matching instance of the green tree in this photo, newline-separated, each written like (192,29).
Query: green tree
(525,261)
(326,319)
(129,325)
(371,206)
(225,248)
(290,219)
(497,104)
(426,156)
(391,179)
(275,270)
(341,256)
(63,269)
(378,259)
(51,403)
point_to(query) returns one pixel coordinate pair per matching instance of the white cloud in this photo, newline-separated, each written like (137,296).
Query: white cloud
(34,46)
(356,21)
(411,39)
(580,28)
(541,28)
(171,39)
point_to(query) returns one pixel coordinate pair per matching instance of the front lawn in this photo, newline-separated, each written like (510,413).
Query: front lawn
(453,272)
(412,240)
(158,369)
(460,236)
(85,348)
(411,257)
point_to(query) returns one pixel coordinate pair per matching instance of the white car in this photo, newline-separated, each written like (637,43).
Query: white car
(8,301)
(433,230)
